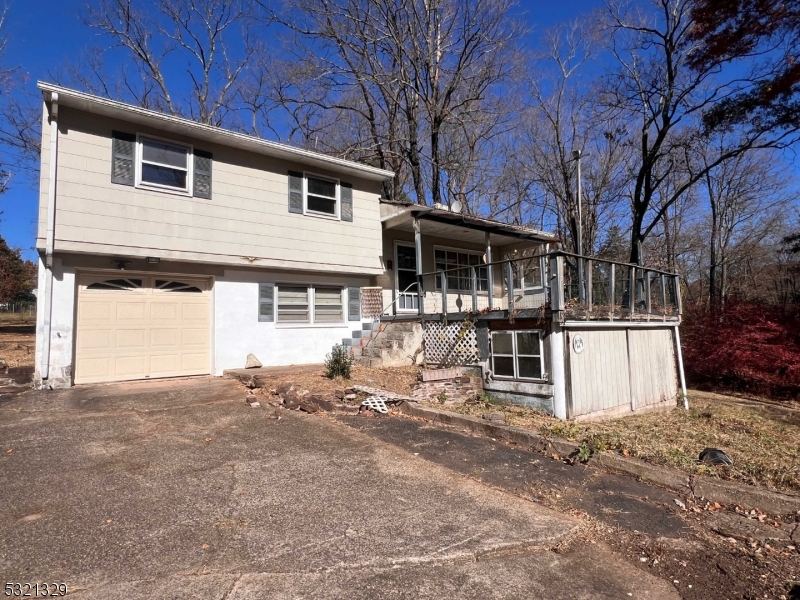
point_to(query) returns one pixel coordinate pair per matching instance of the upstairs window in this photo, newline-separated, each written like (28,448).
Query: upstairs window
(321,196)
(164,165)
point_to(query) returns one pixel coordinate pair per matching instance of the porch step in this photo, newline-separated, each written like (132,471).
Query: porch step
(387,343)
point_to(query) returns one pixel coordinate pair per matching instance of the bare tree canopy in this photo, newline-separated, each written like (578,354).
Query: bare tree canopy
(653,88)
(205,47)
(419,83)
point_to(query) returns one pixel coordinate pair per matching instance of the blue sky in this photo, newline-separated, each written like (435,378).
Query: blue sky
(43,38)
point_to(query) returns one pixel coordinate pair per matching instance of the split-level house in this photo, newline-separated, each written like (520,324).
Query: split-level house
(172,248)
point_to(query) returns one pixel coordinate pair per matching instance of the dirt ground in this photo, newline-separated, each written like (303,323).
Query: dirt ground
(17,343)
(761,438)
(397,379)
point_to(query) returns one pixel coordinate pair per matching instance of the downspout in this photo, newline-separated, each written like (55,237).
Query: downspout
(50,242)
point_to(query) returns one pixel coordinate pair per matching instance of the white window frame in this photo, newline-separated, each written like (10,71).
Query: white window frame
(140,137)
(520,257)
(315,213)
(311,298)
(397,244)
(478,253)
(515,356)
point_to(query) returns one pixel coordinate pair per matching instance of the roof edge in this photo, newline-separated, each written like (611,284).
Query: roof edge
(225,137)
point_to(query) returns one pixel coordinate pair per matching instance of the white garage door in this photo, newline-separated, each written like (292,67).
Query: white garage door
(141,326)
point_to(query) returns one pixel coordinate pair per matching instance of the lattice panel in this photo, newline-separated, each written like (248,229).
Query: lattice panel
(371,302)
(455,344)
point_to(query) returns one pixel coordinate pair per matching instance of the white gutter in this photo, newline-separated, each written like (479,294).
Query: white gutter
(50,243)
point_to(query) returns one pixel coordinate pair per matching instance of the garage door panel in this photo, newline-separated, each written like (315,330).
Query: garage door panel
(94,369)
(194,337)
(96,339)
(129,366)
(136,333)
(168,337)
(195,312)
(94,311)
(194,361)
(129,339)
(163,311)
(163,365)
(131,311)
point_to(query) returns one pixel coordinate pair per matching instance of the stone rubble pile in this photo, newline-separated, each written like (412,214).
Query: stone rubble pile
(460,389)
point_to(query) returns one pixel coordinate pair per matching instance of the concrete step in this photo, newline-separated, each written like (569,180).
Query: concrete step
(370,362)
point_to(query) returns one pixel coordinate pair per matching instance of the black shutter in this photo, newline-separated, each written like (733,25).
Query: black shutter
(347,201)
(295,192)
(353,304)
(123,155)
(202,174)
(266,300)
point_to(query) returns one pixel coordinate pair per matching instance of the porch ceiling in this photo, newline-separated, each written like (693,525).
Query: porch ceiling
(446,224)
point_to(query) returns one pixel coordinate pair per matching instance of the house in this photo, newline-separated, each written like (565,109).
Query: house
(172,248)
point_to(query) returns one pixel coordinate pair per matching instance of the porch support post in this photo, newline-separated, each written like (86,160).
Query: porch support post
(510,287)
(473,276)
(589,285)
(681,373)
(612,290)
(418,253)
(489,274)
(558,372)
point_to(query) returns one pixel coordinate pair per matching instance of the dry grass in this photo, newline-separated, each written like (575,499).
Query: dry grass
(17,345)
(762,440)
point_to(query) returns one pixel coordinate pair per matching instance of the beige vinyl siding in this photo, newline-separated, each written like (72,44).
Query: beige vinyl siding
(599,376)
(653,371)
(247,215)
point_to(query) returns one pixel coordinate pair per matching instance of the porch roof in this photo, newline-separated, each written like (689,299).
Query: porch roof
(444,223)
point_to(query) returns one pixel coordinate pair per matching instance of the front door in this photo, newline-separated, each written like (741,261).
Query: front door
(406,281)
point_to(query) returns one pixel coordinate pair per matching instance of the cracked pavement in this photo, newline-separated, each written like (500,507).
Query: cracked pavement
(176,489)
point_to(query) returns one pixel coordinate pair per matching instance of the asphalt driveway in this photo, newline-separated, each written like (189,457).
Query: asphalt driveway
(178,490)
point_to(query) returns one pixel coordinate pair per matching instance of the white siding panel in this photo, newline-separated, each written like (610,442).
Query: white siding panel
(653,370)
(599,375)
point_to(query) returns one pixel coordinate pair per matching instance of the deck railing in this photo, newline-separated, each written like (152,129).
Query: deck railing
(607,290)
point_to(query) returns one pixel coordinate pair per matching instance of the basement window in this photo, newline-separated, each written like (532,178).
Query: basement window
(517,354)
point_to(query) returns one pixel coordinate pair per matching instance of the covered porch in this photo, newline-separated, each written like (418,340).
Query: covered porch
(442,262)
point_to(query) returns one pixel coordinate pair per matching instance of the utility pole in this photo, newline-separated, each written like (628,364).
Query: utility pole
(576,154)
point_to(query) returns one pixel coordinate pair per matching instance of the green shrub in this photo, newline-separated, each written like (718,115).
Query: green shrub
(338,363)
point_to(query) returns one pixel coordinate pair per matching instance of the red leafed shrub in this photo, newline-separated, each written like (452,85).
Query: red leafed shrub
(750,348)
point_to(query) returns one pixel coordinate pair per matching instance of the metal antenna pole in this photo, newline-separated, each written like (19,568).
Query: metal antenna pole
(576,154)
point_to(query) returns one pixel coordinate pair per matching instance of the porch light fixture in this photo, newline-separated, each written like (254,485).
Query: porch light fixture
(121,263)
(153,260)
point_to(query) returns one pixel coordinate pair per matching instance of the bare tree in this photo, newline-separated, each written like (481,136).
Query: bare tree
(215,39)
(653,86)
(19,127)
(560,121)
(415,72)
(743,194)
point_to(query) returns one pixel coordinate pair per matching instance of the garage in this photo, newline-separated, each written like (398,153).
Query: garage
(141,326)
